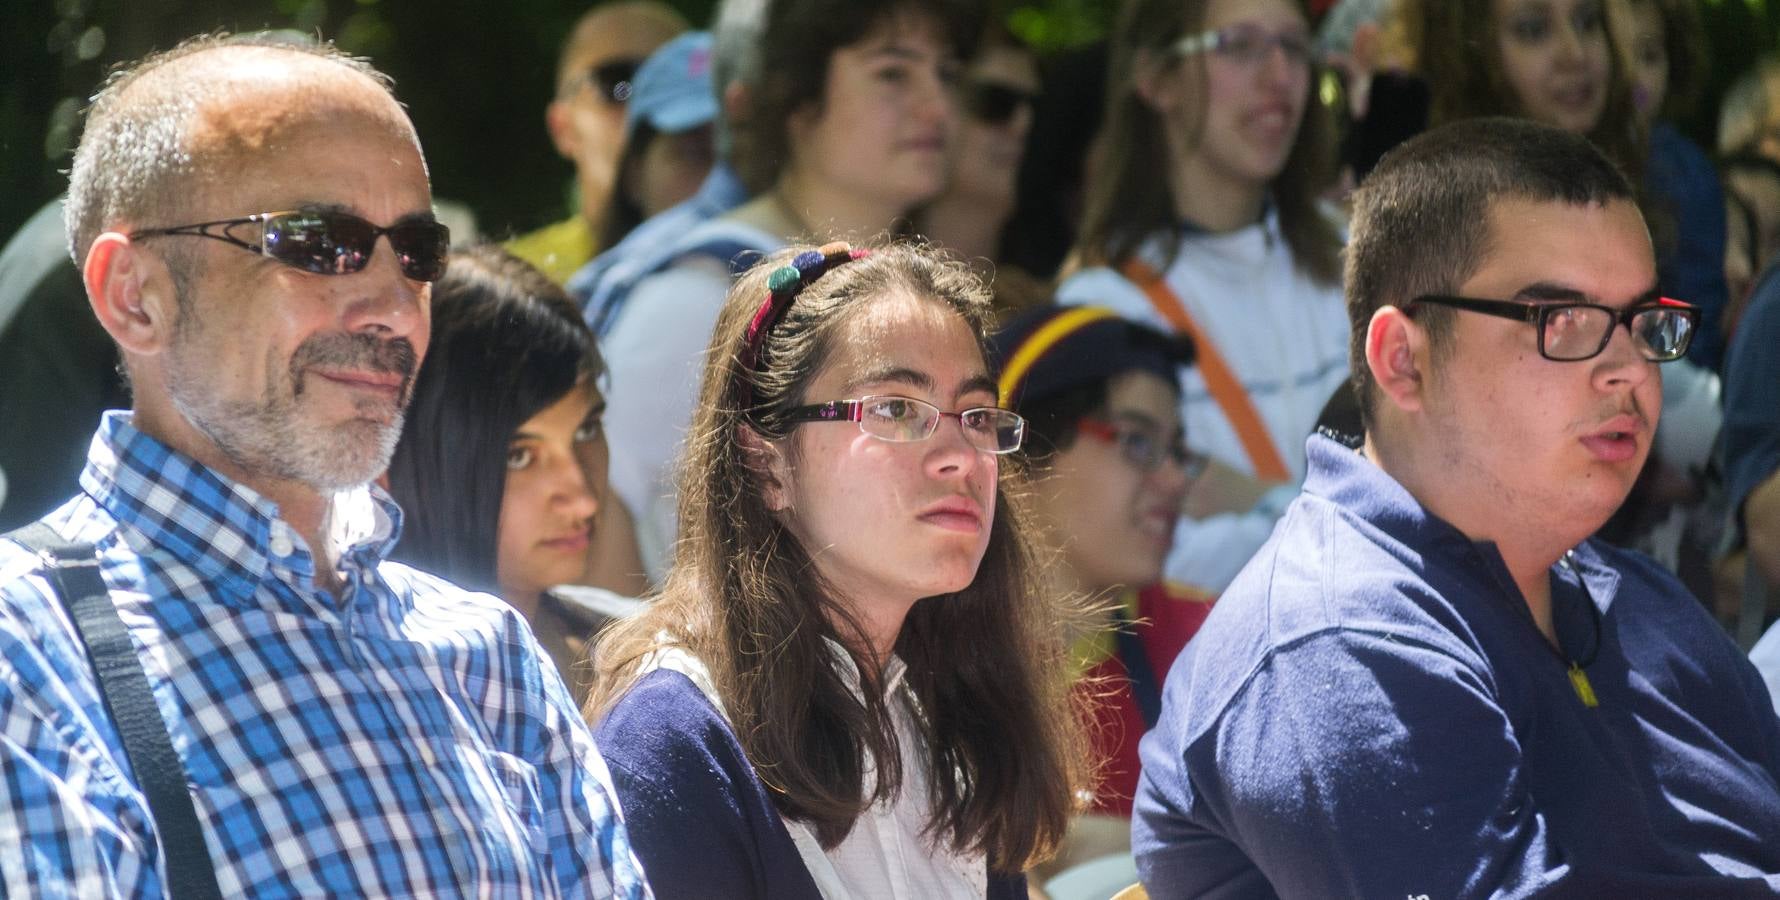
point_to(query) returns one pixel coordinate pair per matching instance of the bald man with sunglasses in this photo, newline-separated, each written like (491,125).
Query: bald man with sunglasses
(211,682)
(1432,681)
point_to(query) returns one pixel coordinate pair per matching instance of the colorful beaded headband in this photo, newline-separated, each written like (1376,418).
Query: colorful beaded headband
(782,286)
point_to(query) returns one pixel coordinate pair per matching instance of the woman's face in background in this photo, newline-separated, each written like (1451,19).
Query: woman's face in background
(884,129)
(1556,58)
(556,477)
(1643,54)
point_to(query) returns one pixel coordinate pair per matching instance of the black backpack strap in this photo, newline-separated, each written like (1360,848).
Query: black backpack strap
(73,571)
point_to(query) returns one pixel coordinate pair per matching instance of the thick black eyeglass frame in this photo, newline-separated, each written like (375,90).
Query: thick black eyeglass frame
(1538,313)
(994,103)
(421,244)
(854,411)
(614,79)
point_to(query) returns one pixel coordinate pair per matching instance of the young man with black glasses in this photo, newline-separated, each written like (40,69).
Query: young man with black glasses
(213,684)
(1431,681)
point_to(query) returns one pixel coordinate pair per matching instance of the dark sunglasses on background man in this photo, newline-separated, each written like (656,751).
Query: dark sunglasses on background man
(995,104)
(612,79)
(327,242)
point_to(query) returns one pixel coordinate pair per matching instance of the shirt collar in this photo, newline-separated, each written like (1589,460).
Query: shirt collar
(1269,222)
(217,526)
(1342,475)
(894,669)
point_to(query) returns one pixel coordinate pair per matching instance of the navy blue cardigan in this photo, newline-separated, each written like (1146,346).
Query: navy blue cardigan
(700,820)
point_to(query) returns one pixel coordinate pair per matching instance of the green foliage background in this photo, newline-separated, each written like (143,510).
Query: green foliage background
(475,74)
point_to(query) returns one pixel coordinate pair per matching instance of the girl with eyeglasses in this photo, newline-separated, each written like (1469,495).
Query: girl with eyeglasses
(849,684)
(848,126)
(1110,468)
(1202,219)
(501,468)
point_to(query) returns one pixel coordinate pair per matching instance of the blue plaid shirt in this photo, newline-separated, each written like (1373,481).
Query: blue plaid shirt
(405,738)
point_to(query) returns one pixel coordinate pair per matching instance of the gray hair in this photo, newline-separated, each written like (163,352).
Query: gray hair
(133,162)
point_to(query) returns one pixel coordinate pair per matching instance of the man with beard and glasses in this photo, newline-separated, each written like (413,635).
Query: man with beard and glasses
(242,697)
(1431,681)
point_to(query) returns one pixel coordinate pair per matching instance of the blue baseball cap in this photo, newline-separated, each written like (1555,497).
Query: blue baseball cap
(672,90)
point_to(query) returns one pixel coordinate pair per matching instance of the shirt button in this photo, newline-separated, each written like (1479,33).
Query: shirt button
(281,545)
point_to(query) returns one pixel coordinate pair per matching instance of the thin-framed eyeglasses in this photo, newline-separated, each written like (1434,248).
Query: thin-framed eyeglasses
(326,242)
(1661,329)
(901,420)
(1143,447)
(1247,44)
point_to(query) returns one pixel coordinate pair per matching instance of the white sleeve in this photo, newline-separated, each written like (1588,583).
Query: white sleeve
(1766,656)
(1692,415)
(655,353)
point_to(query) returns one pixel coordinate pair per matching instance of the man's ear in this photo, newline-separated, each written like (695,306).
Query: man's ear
(766,463)
(1397,355)
(131,293)
(557,120)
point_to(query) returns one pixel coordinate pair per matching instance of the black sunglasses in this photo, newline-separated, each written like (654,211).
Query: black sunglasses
(613,79)
(995,104)
(327,242)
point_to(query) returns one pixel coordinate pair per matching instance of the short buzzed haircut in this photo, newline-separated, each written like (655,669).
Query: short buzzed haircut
(1421,220)
(134,161)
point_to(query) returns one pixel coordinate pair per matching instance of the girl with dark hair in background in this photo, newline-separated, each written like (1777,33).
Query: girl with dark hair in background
(1000,93)
(1110,468)
(501,467)
(1202,219)
(1661,49)
(851,683)
(848,124)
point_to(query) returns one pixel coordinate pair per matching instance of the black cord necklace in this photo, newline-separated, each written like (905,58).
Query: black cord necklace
(1578,678)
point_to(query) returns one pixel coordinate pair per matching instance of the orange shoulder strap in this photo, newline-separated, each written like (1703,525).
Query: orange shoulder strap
(1223,384)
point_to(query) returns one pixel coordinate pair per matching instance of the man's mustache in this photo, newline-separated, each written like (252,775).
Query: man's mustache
(355,351)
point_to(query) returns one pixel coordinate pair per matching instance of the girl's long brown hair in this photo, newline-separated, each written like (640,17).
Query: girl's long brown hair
(1127,200)
(987,666)
(1454,43)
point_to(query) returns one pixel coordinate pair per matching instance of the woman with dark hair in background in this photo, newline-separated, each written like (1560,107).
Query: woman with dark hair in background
(849,122)
(1000,92)
(1661,49)
(501,467)
(1203,219)
(1109,468)
(1546,60)
(851,682)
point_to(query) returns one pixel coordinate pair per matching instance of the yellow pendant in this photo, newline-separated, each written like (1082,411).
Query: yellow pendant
(1584,690)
